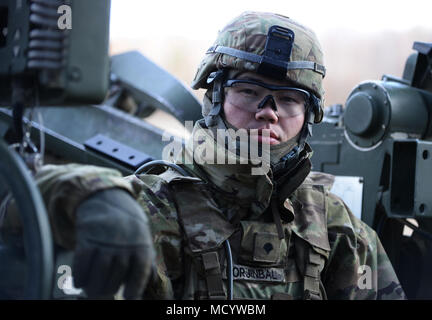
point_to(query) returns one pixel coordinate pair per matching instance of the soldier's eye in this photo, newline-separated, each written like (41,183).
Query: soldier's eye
(288,99)
(291,98)
(249,92)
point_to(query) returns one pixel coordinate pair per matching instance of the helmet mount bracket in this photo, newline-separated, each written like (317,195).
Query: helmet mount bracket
(277,52)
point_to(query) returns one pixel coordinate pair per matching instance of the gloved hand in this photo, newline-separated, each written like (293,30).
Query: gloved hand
(113,246)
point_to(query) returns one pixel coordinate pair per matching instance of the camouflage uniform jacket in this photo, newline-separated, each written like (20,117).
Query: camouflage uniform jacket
(351,250)
(192,217)
(190,221)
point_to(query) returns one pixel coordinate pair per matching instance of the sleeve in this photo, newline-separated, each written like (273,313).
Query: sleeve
(63,188)
(157,201)
(358,266)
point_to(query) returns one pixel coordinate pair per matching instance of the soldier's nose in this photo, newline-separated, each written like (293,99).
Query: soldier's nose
(267,113)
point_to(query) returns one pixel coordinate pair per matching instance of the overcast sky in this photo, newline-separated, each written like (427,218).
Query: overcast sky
(201,19)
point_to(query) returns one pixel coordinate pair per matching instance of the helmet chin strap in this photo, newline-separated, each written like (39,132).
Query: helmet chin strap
(217,78)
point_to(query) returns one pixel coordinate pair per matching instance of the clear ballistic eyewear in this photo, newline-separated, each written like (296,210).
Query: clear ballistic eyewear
(251,96)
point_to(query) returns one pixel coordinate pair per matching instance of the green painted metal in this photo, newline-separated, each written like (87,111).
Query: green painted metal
(68,67)
(67,128)
(154,86)
(15,176)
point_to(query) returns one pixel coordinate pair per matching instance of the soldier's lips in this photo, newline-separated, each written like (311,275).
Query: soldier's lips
(268,137)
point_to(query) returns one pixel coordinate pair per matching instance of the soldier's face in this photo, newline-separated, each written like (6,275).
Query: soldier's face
(280,128)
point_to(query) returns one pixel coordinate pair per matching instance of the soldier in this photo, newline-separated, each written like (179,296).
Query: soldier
(218,230)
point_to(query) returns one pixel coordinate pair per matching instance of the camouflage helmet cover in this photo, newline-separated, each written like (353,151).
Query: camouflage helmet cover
(248,33)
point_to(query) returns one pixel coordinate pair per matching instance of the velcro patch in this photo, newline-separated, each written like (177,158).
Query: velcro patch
(257,274)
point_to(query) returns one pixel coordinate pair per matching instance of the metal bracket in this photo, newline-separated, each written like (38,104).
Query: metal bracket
(117,150)
(277,52)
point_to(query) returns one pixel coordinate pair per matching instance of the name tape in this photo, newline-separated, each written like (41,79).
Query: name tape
(257,274)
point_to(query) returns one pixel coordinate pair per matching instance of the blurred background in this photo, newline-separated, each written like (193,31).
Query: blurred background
(361,40)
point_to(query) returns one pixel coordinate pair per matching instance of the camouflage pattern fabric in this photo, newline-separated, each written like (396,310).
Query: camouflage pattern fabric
(351,250)
(63,188)
(322,220)
(347,243)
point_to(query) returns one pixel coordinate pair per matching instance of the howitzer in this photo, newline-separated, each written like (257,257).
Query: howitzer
(382,140)
(66,73)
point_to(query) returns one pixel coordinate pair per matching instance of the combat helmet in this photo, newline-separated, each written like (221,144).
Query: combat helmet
(269,44)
